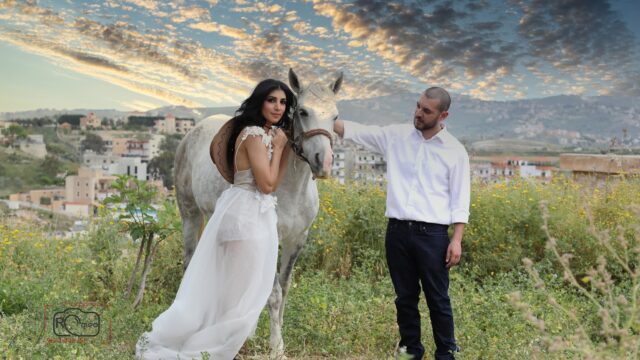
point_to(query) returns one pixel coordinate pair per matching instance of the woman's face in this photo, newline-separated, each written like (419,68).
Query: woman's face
(274,106)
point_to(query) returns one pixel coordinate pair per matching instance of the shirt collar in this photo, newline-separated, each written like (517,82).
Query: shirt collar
(443,135)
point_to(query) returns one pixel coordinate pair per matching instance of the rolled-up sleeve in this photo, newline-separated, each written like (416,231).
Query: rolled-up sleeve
(460,189)
(372,137)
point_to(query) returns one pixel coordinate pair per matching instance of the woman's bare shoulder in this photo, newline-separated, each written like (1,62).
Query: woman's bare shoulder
(252,131)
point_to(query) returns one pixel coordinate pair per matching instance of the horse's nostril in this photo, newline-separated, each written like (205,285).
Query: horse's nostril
(318,158)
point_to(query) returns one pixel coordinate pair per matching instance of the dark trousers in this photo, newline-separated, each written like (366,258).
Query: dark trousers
(416,255)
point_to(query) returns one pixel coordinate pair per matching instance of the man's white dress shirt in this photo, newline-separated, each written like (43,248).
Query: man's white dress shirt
(427,180)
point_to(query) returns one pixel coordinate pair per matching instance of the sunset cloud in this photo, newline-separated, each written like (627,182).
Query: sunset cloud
(443,43)
(146,4)
(214,52)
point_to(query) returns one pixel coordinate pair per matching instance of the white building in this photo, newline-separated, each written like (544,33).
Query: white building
(184,125)
(369,167)
(114,165)
(139,148)
(535,171)
(339,167)
(171,125)
(483,171)
(166,125)
(76,209)
(499,170)
(133,166)
(354,162)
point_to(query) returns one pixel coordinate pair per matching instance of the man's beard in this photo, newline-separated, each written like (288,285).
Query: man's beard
(422,126)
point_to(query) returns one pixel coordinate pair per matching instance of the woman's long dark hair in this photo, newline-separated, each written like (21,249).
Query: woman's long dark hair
(250,113)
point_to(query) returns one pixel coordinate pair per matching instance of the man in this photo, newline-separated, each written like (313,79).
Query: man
(428,189)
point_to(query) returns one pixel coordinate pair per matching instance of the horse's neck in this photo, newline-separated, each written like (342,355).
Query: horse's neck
(297,178)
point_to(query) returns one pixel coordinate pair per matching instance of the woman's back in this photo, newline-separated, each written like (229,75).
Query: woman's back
(228,280)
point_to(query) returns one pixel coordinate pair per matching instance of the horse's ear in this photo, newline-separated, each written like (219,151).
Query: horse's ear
(294,82)
(335,86)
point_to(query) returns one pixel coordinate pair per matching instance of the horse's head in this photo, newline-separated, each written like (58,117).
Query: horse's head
(313,123)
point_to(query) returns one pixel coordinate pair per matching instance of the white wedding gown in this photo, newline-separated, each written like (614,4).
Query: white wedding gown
(228,280)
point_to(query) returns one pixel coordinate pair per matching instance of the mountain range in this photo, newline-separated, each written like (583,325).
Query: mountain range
(567,120)
(564,120)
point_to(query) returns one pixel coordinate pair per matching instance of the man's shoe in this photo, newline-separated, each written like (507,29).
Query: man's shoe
(402,354)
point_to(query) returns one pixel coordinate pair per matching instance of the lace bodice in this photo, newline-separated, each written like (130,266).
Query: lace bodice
(245,178)
(258,131)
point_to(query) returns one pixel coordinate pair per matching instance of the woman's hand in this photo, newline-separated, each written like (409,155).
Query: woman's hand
(279,139)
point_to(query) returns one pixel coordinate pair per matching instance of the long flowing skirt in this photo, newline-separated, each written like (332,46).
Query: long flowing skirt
(225,286)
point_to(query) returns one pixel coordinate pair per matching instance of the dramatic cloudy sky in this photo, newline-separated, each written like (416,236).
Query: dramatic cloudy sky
(141,54)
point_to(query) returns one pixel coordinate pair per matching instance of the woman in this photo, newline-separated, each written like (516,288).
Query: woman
(231,273)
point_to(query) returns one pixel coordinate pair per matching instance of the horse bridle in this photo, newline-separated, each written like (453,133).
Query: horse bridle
(296,143)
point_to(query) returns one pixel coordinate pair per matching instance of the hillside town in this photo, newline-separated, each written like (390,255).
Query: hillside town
(128,146)
(108,148)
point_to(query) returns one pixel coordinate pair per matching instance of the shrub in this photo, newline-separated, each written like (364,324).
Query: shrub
(348,232)
(615,302)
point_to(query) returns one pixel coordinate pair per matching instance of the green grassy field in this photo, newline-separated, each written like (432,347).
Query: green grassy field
(341,304)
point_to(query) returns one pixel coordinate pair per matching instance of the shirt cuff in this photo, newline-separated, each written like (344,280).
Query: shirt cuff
(460,216)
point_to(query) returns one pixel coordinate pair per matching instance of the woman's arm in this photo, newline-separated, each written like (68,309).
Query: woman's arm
(265,171)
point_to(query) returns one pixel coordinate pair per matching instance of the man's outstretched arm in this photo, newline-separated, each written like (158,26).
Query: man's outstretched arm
(374,138)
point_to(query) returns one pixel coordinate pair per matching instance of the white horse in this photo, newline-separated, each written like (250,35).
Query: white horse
(199,184)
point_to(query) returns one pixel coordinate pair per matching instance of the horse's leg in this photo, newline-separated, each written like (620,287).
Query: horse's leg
(289,253)
(191,223)
(287,261)
(189,211)
(275,339)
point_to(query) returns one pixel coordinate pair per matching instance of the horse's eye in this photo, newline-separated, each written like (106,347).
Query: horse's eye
(304,113)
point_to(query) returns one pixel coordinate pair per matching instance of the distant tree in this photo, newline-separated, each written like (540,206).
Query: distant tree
(170,143)
(33,122)
(106,122)
(93,142)
(72,119)
(161,167)
(51,166)
(14,132)
(143,121)
(134,127)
